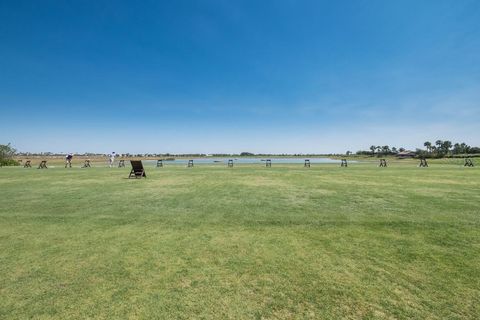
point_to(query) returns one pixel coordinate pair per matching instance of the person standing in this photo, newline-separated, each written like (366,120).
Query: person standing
(68,160)
(111,159)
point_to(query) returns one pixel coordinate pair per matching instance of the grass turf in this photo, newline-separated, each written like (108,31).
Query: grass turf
(248,242)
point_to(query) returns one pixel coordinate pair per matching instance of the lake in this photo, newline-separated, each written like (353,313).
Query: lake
(224,161)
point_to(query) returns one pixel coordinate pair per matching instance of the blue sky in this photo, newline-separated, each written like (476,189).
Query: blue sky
(232,76)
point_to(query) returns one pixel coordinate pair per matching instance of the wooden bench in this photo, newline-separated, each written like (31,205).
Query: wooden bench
(137,170)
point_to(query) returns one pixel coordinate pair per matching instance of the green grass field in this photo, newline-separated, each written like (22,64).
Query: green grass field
(245,243)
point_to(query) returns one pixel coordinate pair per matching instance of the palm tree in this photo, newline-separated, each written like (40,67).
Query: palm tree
(428,145)
(464,147)
(385,150)
(457,148)
(439,144)
(446,146)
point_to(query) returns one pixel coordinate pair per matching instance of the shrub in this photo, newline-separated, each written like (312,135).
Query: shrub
(6,155)
(8,162)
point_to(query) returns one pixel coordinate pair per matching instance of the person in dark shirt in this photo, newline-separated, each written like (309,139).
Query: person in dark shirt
(68,160)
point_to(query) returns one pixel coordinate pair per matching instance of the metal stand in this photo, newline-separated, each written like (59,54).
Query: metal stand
(42,165)
(423,163)
(468,163)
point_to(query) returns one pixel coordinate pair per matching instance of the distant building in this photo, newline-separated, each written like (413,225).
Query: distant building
(406,154)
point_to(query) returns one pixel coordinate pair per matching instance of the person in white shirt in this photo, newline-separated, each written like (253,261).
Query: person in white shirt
(111,159)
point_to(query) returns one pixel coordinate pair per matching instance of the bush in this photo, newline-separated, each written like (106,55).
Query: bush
(8,162)
(6,155)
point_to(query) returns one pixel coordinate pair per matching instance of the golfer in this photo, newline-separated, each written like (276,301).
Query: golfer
(68,160)
(111,160)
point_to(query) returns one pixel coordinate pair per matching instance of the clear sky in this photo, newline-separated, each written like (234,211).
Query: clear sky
(231,76)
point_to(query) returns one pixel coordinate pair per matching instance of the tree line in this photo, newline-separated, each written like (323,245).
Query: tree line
(439,149)
(381,151)
(444,148)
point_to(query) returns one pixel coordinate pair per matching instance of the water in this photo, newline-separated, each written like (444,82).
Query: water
(224,161)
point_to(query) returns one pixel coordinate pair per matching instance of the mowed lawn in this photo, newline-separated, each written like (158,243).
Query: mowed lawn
(245,243)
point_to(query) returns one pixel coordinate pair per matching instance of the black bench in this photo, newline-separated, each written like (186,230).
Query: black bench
(137,170)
